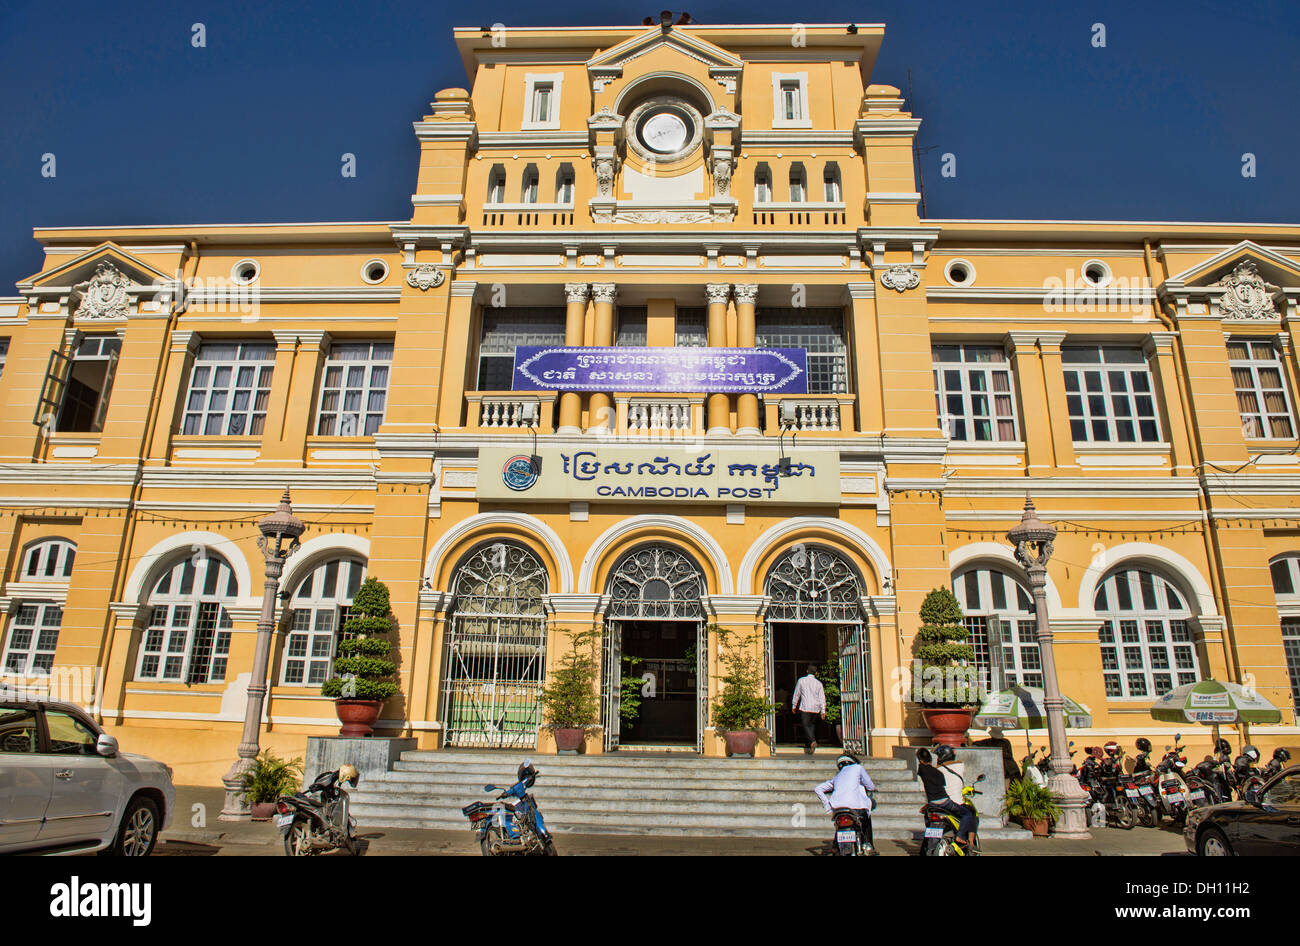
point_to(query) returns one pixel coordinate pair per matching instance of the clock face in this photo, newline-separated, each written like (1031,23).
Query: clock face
(664,132)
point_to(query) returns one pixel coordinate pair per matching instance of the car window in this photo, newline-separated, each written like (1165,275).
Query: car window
(1285,792)
(69,735)
(17,730)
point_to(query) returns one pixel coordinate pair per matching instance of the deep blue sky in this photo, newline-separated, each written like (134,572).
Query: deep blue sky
(147,129)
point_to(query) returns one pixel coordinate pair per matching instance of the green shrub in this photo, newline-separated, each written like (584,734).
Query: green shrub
(829,675)
(270,777)
(1026,800)
(362,669)
(741,703)
(948,674)
(569,699)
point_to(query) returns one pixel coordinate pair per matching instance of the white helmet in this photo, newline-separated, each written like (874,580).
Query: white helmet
(348,773)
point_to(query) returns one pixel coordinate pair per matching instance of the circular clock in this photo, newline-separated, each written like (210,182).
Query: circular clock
(664,128)
(664,132)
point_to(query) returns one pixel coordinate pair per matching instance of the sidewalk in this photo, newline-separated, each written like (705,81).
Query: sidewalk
(211,837)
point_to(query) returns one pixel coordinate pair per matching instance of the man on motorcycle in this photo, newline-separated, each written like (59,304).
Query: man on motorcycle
(850,788)
(935,781)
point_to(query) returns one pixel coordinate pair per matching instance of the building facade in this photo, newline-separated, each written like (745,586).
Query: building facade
(685,187)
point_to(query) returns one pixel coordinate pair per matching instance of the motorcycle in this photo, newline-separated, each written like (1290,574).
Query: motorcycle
(1143,781)
(512,824)
(940,837)
(853,836)
(1177,797)
(1120,811)
(317,819)
(1246,776)
(1037,768)
(1275,765)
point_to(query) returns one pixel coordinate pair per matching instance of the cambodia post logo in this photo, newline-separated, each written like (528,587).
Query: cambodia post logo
(518,473)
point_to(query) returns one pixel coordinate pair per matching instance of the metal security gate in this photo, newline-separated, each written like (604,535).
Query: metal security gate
(494,662)
(701,684)
(854,695)
(613,683)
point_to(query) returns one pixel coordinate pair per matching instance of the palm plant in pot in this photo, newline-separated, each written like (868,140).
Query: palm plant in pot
(268,779)
(362,669)
(949,690)
(741,706)
(569,699)
(1033,805)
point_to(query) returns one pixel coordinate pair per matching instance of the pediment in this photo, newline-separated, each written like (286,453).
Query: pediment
(67,276)
(1273,267)
(609,64)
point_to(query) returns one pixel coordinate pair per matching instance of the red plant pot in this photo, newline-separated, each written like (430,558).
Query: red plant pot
(357,716)
(741,743)
(1039,826)
(569,740)
(948,726)
(263,810)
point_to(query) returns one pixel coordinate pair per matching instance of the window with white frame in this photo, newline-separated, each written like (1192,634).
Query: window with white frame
(1109,394)
(1291,646)
(542,100)
(1258,377)
(354,389)
(564,186)
(528,189)
(318,610)
(503,330)
(818,331)
(33,638)
(1286,574)
(762,184)
(831,183)
(973,392)
(999,619)
(48,559)
(798,184)
(790,100)
(230,386)
(187,631)
(1146,636)
(497,185)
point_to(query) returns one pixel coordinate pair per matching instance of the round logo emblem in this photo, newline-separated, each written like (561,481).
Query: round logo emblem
(518,473)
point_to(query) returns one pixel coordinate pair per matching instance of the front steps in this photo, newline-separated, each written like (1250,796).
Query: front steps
(669,794)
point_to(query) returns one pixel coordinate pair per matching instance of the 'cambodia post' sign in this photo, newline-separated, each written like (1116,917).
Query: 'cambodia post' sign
(655,476)
(668,370)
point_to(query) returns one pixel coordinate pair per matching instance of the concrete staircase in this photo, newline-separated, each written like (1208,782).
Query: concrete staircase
(668,794)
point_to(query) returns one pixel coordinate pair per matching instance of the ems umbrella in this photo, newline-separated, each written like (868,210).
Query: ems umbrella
(1021,707)
(1209,701)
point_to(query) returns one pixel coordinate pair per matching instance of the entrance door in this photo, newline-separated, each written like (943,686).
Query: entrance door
(794,648)
(663,656)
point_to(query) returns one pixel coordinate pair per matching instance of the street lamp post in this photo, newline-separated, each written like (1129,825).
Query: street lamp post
(1033,540)
(279,539)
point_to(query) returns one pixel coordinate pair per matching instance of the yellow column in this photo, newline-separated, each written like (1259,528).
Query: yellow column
(575,298)
(599,416)
(1160,350)
(719,406)
(746,333)
(175,387)
(458,341)
(286,439)
(1035,429)
(1058,410)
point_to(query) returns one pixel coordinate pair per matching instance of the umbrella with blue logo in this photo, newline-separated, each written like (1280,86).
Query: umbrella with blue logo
(1209,701)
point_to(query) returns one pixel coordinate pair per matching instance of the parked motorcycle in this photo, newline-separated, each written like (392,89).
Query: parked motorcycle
(1246,776)
(317,819)
(1176,796)
(853,835)
(1143,781)
(1120,812)
(1275,765)
(940,837)
(512,824)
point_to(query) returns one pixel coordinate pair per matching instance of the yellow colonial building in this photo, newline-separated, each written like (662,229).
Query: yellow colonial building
(600,197)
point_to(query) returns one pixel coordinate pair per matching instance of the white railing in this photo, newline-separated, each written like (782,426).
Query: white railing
(659,416)
(814,415)
(508,412)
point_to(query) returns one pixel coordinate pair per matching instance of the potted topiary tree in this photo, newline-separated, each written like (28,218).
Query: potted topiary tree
(268,779)
(362,669)
(569,699)
(741,705)
(1033,805)
(948,676)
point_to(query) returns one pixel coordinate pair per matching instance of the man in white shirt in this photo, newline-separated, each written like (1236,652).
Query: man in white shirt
(848,789)
(809,702)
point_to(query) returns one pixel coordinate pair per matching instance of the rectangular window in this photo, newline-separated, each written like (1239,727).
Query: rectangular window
(797,187)
(4,353)
(528,194)
(1291,645)
(505,328)
(229,389)
(542,93)
(791,110)
(497,188)
(973,392)
(1257,376)
(87,385)
(632,331)
(33,637)
(564,188)
(820,332)
(831,184)
(692,327)
(1110,395)
(189,642)
(354,389)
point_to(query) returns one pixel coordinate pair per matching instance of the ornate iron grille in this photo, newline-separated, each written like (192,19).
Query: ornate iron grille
(656,582)
(813,585)
(500,578)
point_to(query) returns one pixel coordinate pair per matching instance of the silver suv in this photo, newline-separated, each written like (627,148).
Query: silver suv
(67,789)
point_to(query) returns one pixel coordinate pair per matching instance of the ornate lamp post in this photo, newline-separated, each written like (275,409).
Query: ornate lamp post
(279,539)
(1033,539)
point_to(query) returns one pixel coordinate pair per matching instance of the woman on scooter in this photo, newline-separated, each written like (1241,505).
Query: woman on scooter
(935,779)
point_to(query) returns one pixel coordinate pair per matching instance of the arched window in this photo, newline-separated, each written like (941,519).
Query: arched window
(564,185)
(1286,574)
(999,616)
(187,634)
(528,189)
(813,584)
(656,581)
(831,183)
(762,184)
(317,610)
(497,185)
(48,559)
(798,184)
(1146,637)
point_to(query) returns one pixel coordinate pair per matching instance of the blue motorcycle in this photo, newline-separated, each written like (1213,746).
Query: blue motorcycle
(512,824)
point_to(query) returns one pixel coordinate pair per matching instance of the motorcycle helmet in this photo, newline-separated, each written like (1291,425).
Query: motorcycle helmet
(1221,747)
(1281,754)
(944,754)
(1251,753)
(526,772)
(348,773)
(847,758)
(1111,748)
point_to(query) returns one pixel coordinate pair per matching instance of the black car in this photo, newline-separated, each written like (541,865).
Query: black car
(1270,824)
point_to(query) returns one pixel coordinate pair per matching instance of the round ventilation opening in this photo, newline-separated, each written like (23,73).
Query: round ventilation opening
(374,271)
(245,271)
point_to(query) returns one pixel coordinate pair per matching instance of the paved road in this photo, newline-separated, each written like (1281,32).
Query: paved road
(197,832)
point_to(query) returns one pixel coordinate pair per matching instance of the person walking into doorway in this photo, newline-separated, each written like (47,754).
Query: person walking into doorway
(809,702)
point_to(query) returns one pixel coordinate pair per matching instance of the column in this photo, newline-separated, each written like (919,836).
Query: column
(175,387)
(1058,409)
(1160,351)
(719,405)
(455,363)
(287,438)
(1035,428)
(599,415)
(575,314)
(866,358)
(746,333)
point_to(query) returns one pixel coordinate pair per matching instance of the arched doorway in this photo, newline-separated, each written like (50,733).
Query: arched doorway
(815,617)
(654,630)
(494,658)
